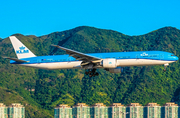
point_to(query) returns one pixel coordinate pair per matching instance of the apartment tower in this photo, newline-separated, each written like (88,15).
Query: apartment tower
(81,110)
(63,111)
(153,110)
(99,110)
(117,110)
(170,110)
(16,110)
(134,110)
(3,111)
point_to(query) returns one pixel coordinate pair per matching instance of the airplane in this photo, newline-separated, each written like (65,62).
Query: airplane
(112,62)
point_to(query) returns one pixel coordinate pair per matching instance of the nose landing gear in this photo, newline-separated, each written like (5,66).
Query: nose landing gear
(91,72)
(165,66)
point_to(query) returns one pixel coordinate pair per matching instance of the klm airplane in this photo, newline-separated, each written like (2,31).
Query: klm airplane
(112,62)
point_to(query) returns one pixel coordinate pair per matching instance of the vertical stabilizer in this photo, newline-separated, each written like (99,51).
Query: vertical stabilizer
(20,49)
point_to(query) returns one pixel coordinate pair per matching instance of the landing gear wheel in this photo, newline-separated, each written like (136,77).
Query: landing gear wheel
(90,75)
(86,73)
(165,65)
(91,72)
(96,74)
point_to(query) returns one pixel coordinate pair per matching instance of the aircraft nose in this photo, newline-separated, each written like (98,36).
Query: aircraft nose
(176,58)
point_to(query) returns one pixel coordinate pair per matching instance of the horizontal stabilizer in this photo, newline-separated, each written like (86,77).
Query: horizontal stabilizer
(15,59)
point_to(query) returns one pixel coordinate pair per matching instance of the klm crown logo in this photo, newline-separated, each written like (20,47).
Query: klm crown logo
(22,50)
(144,54)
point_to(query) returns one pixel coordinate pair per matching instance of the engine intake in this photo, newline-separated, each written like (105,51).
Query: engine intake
(109,63)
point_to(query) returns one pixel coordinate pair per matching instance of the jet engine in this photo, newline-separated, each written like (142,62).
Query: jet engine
(115,70)
(109,63)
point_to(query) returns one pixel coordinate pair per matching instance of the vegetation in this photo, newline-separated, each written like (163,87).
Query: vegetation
(8,97)
(42,90)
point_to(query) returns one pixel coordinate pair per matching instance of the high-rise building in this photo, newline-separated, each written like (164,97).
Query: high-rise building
(81,110)
(63,111)
(134,110)
(117,110)
(3,111)
(153,110)
(99,110)
(16,110)
(170,110)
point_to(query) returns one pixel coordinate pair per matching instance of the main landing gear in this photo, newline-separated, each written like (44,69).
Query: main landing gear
(91,72)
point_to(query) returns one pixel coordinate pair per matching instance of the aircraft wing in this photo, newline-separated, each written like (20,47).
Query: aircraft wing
(14,59)
(79,56)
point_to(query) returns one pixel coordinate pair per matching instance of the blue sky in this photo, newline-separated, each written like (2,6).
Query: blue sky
(130,17)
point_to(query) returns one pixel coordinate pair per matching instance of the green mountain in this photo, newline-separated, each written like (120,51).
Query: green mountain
(8,97)
(44,89)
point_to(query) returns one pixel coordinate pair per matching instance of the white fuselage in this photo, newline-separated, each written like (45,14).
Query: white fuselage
(77,64)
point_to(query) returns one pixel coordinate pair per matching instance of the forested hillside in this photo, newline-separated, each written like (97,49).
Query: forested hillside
(44,89)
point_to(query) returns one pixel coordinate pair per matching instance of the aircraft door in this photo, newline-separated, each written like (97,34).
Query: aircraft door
(39,60)
(137,59)
(39,63)
(69,59)
(137,56)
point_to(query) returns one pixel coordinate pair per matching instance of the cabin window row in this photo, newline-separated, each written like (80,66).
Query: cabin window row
(151,55)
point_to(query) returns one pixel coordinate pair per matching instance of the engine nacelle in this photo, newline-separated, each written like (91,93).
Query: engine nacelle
(115,70)
(109,63)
